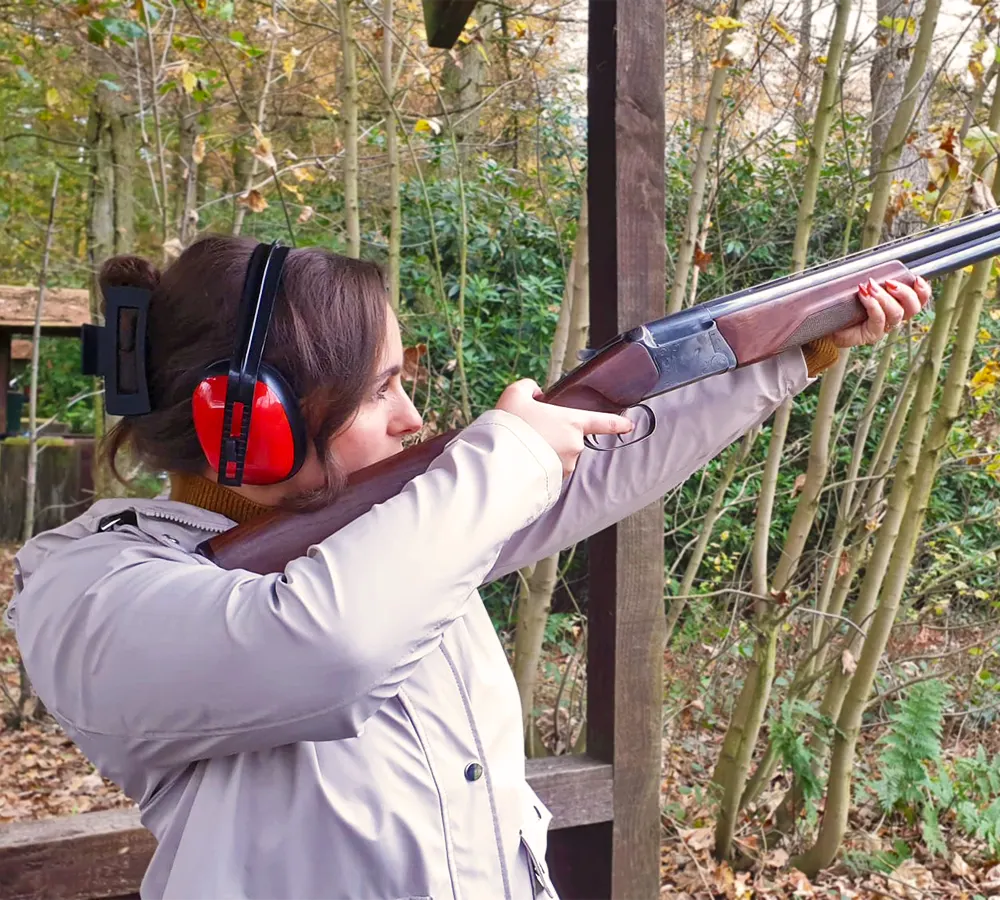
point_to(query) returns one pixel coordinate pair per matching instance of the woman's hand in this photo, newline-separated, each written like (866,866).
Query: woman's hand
(887,307)
(563,428)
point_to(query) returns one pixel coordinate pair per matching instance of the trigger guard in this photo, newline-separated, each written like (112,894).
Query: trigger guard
(591,444)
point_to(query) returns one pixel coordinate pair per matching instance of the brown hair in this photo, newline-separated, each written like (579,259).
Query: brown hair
(326,337)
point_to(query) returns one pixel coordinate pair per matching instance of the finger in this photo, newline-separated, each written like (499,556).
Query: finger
(905,296)
(525,387)
(875,326)
(922,288)
(891,310)
(605,423)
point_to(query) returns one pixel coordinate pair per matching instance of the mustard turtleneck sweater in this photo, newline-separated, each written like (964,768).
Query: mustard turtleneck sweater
(199,491)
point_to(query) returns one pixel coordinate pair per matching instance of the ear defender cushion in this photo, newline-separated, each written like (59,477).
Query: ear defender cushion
(276,445)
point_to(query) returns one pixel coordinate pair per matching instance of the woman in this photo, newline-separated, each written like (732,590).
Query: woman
(349,728)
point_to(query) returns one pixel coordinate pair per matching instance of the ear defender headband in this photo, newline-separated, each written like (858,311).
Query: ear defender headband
(245,413)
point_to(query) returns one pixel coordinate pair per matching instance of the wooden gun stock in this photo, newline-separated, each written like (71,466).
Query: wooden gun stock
(611,382)
(769,328)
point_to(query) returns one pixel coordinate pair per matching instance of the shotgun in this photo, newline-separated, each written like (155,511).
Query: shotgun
(735,330)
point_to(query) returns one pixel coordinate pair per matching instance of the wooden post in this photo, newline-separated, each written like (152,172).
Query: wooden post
(625,606)
(5,358)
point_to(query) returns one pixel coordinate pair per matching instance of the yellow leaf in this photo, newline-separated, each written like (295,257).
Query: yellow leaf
(995,315)
(821,60)
(324,103)
(724,23)
(189,80)
(288,61)
(254,200)
(427,126)
(985,380)
(294,191)
(198,150)
(984,336)
(52,98)
(784,32)
(303,174)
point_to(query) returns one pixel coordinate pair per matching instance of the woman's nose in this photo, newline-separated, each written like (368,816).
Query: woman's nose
(409,420)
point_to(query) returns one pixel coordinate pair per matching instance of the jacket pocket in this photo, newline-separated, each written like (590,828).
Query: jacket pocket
(534,840)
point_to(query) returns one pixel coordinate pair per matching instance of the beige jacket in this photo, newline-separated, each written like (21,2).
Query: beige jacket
(320,733)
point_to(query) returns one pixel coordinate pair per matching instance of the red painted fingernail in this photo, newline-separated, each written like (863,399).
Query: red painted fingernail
(863,289)
(891,282)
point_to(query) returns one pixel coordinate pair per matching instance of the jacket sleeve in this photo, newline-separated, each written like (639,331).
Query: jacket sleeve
(693,425)
(174,659)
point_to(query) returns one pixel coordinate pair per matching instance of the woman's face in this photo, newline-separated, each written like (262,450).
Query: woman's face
(377,430)
(384,418)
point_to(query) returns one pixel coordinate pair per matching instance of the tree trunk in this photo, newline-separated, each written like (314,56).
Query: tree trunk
(912,496)
(186,184)
(392,156)
(539,581)
(350,109)
(36,341)
(247,163)
(888,152)
(464,72)
(111,206)
(715,508)
(737,749)
(710,126)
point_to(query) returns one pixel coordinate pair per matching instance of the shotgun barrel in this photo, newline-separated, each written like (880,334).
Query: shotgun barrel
(735,330)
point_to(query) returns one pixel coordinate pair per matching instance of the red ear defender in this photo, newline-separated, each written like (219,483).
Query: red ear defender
(276,443)
(246,415)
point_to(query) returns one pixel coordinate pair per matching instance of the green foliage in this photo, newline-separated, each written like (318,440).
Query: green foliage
(62,389)
(911,744)
(791,742)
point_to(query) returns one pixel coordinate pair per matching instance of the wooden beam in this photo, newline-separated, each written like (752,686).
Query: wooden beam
(576,789)
(5,355)
(625,68)
(105,854)
(82,857)
(444,21)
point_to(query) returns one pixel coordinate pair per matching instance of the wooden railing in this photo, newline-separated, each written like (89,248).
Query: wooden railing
(103,855)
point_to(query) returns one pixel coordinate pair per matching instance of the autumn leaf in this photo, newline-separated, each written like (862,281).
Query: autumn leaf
(324,103)
(52,98)
(305,215)
(427,126)
(800,482)
(254,200)
(848,663)
(701,258)
(288,61)
(985,380)
(724,23)
(784,32)
(189,80)
(412,370)
(262,151)
(198,150)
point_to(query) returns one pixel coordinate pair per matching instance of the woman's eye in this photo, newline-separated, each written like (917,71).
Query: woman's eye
(382,391)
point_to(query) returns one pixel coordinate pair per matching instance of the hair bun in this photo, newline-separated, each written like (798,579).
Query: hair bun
(129,271)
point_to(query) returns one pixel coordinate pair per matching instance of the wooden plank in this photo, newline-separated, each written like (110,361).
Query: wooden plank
(576,789)
(627,286)
(84,857)
(105,854)
(444,21)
